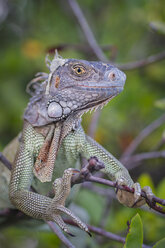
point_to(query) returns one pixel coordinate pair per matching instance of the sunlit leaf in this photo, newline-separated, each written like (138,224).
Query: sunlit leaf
(160,244)
(135,236)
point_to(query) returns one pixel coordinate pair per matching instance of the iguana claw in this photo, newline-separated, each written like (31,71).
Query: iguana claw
(133,200)
(61,187)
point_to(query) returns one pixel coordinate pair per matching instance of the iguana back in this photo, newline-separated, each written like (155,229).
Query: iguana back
(9,152)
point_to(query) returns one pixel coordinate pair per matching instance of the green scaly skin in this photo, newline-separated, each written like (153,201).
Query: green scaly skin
(71,88)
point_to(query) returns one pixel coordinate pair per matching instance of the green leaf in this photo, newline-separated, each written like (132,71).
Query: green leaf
(160,244)
(135,236)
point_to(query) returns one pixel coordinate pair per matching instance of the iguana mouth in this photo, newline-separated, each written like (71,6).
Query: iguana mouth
(94,86)
(99,87)
(95,104)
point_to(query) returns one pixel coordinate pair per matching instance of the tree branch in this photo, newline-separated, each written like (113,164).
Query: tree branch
(59,233)
(85,175)
(143,62)
(93,123)
(132,161)
(99,52)
(142,135)
(104,233)
(87,31)
(80,47)
(95,165)
(5,161)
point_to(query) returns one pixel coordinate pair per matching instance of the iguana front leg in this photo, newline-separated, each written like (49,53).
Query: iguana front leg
(116,171)
(20,195)
(61,187)
(33,204)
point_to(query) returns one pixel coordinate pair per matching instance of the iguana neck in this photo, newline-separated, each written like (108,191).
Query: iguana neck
(54,135)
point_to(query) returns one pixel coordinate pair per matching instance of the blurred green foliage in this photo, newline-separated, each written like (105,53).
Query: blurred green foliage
(136,28)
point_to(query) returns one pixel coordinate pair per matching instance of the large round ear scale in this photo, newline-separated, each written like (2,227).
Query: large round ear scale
(54,110)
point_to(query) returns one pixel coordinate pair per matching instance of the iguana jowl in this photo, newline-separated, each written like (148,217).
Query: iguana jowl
(53,140)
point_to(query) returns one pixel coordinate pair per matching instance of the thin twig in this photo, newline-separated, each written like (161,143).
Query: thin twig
(142,135)
(125,188)
(143,62)
(80,47)
(87,31)
(132,161)
(59,233)
(99,190)
(103,219)
(160,143)
(103,233)
(106,192)
(93,123)
(99,52)
(5,161)
(93,165)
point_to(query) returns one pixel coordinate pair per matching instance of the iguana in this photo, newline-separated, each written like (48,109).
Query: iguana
(52,140)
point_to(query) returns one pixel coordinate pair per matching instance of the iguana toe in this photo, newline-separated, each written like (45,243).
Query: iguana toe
(61,187)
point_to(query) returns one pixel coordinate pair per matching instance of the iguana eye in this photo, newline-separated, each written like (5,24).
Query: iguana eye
(79,70)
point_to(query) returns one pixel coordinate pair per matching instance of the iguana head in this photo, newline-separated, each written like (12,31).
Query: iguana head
(72,88)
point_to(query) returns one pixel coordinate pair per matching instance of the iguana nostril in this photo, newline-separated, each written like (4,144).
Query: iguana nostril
(112,76)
